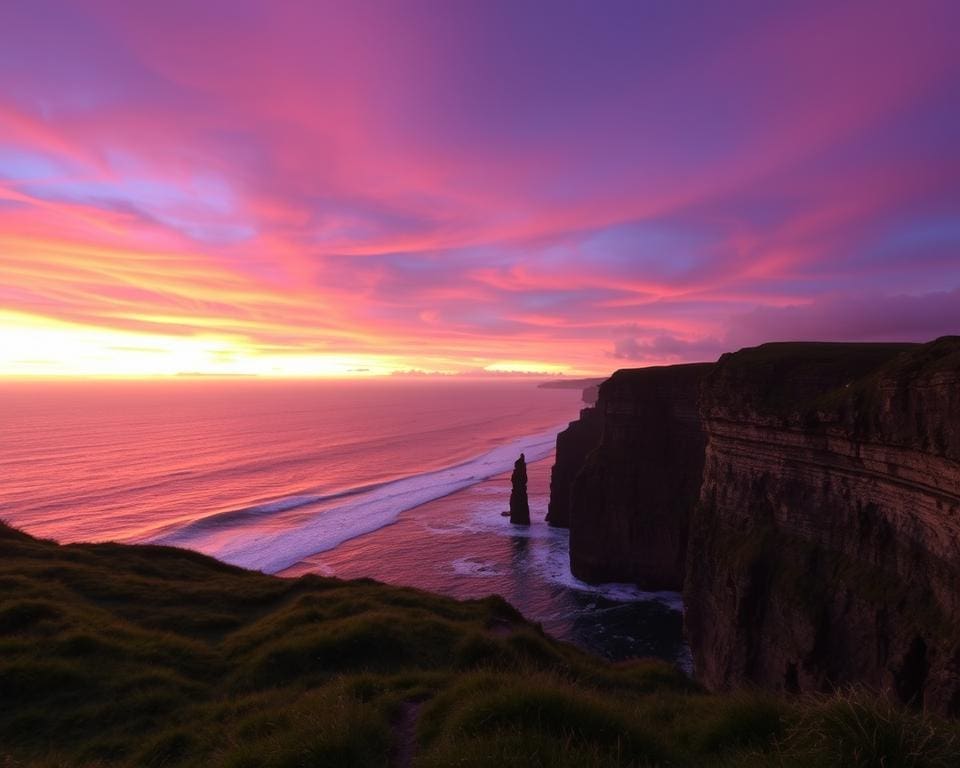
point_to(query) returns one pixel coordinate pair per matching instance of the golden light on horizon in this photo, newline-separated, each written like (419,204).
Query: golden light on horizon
(32,346)
(35,346)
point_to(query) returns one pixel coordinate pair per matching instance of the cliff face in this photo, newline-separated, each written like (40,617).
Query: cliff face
(574,444)
(814,492)
(825,547)
(630,501)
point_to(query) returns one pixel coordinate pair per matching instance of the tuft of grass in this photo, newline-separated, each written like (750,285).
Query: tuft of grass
(859,729)
(742,722)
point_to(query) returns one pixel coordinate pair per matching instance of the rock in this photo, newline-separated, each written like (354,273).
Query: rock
(574,444)
(815,492)
(519,506)
(630,499)
(825,549)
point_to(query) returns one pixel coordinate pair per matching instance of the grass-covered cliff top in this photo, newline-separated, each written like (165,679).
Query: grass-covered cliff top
(900,394)
(643,382)
(789,377)
(142,656)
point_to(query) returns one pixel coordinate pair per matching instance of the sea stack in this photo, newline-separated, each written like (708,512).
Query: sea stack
(519,507)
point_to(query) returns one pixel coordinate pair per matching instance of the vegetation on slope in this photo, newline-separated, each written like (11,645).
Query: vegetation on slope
(114,655)
(789,378)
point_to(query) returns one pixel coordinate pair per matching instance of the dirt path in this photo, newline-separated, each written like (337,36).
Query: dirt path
(405,734)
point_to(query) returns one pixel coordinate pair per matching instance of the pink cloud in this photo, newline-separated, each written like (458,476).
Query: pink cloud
(853,318)
(647,184)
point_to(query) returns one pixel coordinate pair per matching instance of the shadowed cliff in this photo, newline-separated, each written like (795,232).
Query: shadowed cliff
(630,500)
(574,444)
(823,540)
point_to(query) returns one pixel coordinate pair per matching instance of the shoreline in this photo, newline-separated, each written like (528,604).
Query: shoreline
(320,526)
(460,546)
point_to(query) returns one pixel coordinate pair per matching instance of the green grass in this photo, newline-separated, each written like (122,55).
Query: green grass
(822,383)
(144,656)
(789,378)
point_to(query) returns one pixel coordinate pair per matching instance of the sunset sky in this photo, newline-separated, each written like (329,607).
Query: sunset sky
(345,188)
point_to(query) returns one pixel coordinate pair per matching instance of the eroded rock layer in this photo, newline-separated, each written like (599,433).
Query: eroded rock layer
(630,502)
(825,547)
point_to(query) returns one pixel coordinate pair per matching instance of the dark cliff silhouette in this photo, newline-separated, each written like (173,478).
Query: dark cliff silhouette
(804,497)
(519,506)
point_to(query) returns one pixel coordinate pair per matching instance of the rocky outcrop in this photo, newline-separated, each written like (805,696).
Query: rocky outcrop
(519,505)
(825,548)
(630,501)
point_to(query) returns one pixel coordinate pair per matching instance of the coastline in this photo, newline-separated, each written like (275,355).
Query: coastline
(460,546)
(305,526)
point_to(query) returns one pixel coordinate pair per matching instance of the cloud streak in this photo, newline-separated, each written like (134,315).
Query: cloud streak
(313,184)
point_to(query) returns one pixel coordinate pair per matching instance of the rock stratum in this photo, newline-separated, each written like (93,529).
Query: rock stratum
(822,546)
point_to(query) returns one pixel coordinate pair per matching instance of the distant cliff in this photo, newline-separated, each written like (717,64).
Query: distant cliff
(823,546)
(588,387)
(629,500)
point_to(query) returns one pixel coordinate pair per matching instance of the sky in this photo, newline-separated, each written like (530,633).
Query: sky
(362,188)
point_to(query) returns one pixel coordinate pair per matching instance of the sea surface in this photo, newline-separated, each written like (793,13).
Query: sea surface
(399,480)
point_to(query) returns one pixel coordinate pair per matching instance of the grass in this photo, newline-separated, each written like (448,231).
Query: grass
(145,656)
(788,379)
(822,383)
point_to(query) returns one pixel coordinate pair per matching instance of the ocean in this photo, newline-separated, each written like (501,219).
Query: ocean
(401,480)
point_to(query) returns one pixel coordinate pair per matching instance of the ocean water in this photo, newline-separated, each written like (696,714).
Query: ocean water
(400,480)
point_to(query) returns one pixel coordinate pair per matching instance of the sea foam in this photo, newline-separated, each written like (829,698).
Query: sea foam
(552,561)
(252,545)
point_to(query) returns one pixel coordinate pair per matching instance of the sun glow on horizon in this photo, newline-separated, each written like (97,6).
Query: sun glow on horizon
(33,346)
(340,193)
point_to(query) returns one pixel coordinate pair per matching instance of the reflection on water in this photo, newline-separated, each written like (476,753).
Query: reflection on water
(521,544)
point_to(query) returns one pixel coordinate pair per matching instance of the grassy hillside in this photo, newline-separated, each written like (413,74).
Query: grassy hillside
(142,656)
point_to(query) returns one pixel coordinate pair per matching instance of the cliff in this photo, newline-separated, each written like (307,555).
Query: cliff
(630,501)
(825,548)
(814,492)
(573,446)
(588,387)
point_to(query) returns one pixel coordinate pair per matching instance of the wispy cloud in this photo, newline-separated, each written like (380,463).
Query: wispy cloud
(330,184)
